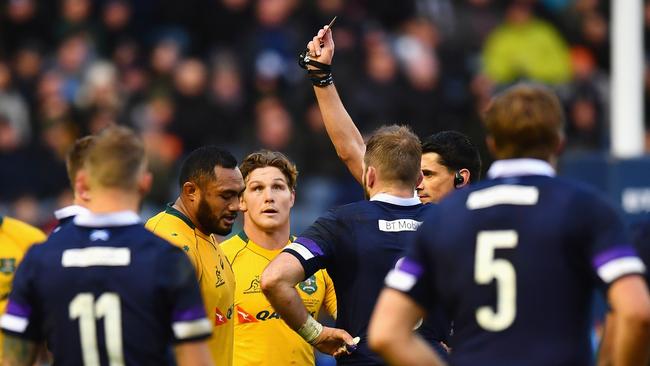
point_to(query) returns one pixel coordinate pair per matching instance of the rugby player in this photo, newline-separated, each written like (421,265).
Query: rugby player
(261,337)
(104,290)
(357,243)
(515,258)
(210,184)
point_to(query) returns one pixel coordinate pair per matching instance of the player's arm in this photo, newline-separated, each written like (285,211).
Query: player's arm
(278,284)
(391,334)
(193,354)
(18,351)
(342,131)
(606,347)
(630,335)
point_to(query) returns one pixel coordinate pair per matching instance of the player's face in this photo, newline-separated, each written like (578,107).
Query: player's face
(219,202)
(438,180)
(267,198)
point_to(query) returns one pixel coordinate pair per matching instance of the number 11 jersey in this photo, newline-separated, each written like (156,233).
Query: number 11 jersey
(106,290)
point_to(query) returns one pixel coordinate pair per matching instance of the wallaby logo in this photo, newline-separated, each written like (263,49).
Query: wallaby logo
(255,287)
(309,285)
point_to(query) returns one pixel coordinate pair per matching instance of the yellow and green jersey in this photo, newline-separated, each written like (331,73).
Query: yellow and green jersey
(214,273)
(15,238)
(261,337)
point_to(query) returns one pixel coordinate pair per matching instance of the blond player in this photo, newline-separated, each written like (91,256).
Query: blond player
(261,337)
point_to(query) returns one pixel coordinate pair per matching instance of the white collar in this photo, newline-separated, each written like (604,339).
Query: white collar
(69,211)
(399,201)
(120,218)
(517,167)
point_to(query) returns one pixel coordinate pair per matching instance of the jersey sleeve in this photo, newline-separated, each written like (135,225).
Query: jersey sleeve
(188,318)
(413,274)
(316,247)
(21,316)
(330,295)
(611,253)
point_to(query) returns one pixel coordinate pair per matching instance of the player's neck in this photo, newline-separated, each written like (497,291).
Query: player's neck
(182,208)
(397,191)
(107,200)
(272,239)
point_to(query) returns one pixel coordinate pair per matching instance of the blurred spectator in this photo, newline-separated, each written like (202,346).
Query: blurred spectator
(116,22)
(13,105)
(524,47)
(273,125)
(24,21)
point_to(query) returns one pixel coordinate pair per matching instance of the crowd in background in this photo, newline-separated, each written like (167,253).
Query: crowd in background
(193,72)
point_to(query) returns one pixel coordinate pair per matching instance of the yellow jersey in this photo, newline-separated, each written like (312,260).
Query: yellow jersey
(214,273)
(15,238)
(261,337)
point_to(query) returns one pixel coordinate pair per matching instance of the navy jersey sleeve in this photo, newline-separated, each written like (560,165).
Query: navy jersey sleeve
(413,274)
(610,251)
(315,247)
(21,318)
(178,280)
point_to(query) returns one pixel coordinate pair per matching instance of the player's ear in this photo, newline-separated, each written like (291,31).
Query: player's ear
(191,191)
(242,202)
(81,188)
(371,176)
(293,197)
(420,178)
(145,182)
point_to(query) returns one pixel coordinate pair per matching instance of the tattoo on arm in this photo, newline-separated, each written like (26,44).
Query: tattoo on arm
(17,351)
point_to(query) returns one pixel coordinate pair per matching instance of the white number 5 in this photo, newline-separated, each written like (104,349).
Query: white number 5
(486,269)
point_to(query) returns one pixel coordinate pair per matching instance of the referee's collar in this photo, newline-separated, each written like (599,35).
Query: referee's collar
(517,167)
(120,218)
(394,200)
(69,211)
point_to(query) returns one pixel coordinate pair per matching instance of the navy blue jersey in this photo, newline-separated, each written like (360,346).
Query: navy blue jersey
(105,289)
(641,239)
(358,244)
(514,261)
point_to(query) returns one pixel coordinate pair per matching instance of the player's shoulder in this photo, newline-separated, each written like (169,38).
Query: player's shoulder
(172,227)
(24,233)
(233,245)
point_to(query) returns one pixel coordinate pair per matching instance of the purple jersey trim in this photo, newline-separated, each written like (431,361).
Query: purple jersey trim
(412,267)
(613,253)
(188,314)
(310,245)
(23,311)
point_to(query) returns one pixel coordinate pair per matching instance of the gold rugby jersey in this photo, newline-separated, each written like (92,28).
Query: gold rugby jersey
(214,273)
(261,337)
(15,238)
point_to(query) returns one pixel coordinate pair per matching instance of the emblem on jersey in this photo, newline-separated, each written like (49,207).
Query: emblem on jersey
(244,316)
(255,286)
(229,313)
(220,280)
(99,235)
(219,318)
(309,285)
(7,265)
(186,248)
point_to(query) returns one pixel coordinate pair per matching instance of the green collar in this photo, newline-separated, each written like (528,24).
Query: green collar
(174,212)
(242,235)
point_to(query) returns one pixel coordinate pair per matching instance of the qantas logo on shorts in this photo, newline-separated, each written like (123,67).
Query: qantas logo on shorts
(244,316)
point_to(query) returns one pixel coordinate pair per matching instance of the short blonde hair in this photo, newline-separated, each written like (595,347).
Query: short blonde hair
(525,121)
(264,158)
(116,159)
(76,157)
(395,151)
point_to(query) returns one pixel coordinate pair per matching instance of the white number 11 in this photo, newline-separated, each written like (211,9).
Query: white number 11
(84,307)
(487,268)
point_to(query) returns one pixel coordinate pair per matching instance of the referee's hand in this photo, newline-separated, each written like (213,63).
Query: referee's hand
(323,54)
(335,342)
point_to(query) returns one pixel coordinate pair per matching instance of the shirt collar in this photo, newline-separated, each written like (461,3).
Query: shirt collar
(517,167)
(69,211)
(394,200)
(121,218)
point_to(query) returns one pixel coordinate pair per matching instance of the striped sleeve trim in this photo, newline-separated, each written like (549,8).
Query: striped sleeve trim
(300,250)
(191,329)
(14,323)
(620,267)
(405,275)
